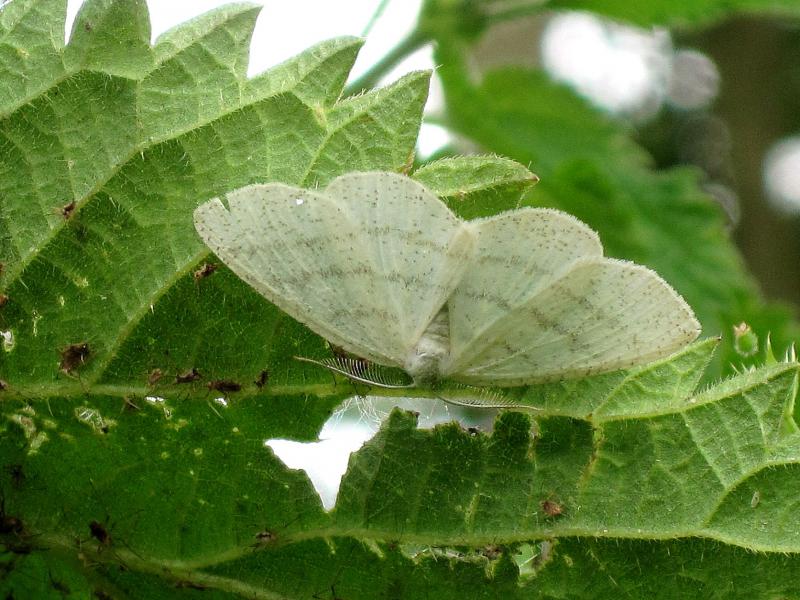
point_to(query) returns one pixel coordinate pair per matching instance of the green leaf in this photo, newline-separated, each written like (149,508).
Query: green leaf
(31,51)
(121,44)
(674,569)
(649,476)
(257,528)
(655,388)
(471,184)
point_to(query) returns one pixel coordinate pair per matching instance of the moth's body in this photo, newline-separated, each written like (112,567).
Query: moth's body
(377,264)
(425,360)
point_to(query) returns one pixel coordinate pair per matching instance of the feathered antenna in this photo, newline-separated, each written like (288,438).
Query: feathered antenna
(379,376)
(479,397)
(361,371)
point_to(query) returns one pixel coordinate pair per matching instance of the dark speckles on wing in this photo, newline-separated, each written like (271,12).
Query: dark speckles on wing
(555,307)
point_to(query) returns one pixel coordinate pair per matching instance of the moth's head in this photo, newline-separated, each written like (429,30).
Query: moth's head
(423,366)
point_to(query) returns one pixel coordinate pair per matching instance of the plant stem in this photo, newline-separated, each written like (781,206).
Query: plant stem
(415,40)
(375,16)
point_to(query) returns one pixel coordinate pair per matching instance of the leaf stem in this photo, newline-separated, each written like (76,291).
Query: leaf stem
(412,42)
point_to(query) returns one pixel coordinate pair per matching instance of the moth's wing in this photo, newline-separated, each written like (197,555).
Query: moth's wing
(581,314)
(517,254)
(288,244)
(304,252)
(419,245)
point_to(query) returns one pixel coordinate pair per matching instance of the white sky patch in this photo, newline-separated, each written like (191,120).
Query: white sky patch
(432,138)
(349,428)
(325,461)
(419,60)
(620,68)
(782,175)
(398,20)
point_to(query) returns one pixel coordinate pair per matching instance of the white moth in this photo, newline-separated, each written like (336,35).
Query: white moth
(377,264)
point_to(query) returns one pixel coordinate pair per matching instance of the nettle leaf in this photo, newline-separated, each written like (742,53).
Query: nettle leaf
(470,184)
(685,469)
(140,378)
(589,167)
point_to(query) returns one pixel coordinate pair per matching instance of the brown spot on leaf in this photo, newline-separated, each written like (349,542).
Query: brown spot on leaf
(263,379)
(154,377)
(188,376)
(265,537)
(224,385)
(67,210)
(100,533)
(551,508)
(3,300)
(204,271)
(73,356)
